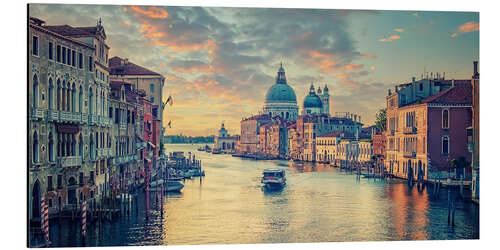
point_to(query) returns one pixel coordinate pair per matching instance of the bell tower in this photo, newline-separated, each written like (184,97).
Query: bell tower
(325,99)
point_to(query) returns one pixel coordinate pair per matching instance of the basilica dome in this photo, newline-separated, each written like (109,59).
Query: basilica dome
(312,100)
(281,92)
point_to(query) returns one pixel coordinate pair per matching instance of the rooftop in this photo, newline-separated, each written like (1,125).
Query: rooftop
(459,94)
(120,66)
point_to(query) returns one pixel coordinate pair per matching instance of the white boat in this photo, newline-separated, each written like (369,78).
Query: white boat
(172,185)
(273,178)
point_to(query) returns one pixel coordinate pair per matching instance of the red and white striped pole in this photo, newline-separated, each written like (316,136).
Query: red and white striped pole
(45,219)
(84,218)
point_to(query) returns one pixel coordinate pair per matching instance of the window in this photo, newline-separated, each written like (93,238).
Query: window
(59,181)
(152,87)
(446,118)
(152,99)
(50,187)
(80,60)
(445,145)
(73,57)
(51,51)
(69,57)
(64,55)
(58,53)
(81,179)
(420,87)
(91,63)
(35,45)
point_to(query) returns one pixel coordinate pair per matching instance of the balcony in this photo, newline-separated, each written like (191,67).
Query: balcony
(410,154)
(69,161)
(123,126)
(410,130)
(65,116)
(93,119)
(53,115)
(392,132)
(37,113)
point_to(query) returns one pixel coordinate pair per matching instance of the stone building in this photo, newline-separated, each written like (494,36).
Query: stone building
(308,127)
(327,145)
(424,135)
(127,126)
(122,70)
(224,142)
(475,134)
(250,130)
(68,128)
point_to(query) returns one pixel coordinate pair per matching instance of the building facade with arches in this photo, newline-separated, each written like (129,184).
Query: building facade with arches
(68,123)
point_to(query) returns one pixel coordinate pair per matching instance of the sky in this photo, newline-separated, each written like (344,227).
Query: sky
(220,62)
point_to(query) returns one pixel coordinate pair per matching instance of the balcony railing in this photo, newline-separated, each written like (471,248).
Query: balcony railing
(409,154)
(70,161)
(103,152)
(123,126)
(410,130)
(38,113)
(93,119)
(53,115)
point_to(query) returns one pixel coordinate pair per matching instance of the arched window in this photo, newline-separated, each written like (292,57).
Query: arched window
(80,99)
(92,147)
(445,145)
(35,91)
(35,147)
(51,93)
(446,118)
(51,147)
(80,146)
(73,145)
(63,96)
(58,95)
(90,100)
(68,98)
(73,98)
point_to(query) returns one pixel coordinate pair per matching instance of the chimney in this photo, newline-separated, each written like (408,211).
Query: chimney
(355,117)
(444,74)
(413,79)
(453,82)
(389,92)
(476,74)
(359,118)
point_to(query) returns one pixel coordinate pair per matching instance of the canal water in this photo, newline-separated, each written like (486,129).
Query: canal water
(319,204)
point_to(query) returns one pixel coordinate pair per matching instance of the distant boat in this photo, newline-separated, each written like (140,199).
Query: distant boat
(172,185)
(273,178)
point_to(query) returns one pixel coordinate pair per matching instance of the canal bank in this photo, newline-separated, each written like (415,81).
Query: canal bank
(319,204)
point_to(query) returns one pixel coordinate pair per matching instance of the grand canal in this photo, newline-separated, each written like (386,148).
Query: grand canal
(319,204)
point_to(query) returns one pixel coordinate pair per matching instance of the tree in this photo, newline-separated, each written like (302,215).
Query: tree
(381,120)
(459,163)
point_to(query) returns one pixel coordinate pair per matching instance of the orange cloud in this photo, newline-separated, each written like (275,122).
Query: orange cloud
(324,61)
(352,67)
(193,69)
(372,67)
(399,30)
(466,28)
(389,39)
(161,38)
(151,12)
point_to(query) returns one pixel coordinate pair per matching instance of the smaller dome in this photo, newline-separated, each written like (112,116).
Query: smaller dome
(312,100)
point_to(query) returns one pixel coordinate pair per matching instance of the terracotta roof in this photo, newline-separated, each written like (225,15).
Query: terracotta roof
(460,94)
(67,30)
(119,66)
(338,133)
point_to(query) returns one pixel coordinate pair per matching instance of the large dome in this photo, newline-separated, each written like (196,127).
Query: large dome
(279,93)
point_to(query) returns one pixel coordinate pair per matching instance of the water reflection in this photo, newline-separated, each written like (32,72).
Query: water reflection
(318,204)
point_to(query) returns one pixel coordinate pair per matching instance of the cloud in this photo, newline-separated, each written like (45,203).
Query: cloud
(151,11)
(466,28)
(372,68)
(415,14)
(399,30)
(389,39)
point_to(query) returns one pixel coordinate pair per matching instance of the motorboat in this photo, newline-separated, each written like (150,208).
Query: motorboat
(171,185)
(198,172)
(273,178)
